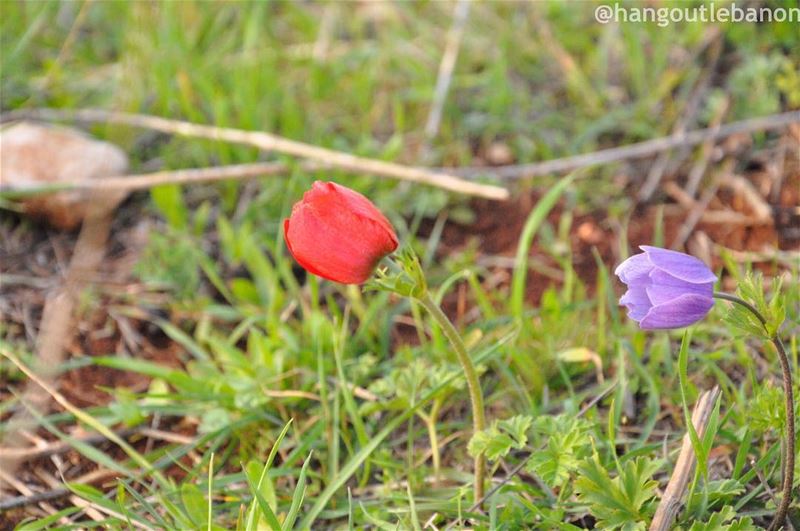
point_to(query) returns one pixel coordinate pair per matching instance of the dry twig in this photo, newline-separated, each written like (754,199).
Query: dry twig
(635,151)
(150,180)
(268,142)
(670,502)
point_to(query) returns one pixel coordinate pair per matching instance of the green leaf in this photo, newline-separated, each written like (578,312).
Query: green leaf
(168,199)
(195,504)
(496,441)
(517,427)
(566,443)
(352,465)
(624,502)
(47,522)
(724,521)
(491,442)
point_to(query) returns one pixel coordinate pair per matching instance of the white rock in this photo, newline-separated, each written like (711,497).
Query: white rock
(38,155)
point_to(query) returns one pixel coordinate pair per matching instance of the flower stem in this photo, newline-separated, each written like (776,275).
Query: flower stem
(473,385)
(789,454)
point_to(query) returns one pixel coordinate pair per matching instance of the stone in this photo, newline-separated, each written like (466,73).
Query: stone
(34,155)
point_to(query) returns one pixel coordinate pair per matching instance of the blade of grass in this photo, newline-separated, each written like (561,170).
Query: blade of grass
(298,496)
(532,224)
(87,419)
(272,520)
(699,449)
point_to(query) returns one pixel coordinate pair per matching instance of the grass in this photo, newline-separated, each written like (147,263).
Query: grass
(311,405)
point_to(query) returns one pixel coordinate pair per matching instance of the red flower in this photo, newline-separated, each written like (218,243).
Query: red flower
(338,234)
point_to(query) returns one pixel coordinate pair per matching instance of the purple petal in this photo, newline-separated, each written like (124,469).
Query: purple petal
(664,287)
(679,265)
(677,313)
(634,268)
(637,302)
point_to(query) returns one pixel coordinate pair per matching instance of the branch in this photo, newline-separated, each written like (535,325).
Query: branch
(268,142)
(670,502)
(634,151)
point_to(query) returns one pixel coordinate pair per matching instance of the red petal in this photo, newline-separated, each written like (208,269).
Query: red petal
(338,234)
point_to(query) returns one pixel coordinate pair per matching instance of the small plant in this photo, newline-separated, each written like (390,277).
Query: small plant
(338,234)
(668,289)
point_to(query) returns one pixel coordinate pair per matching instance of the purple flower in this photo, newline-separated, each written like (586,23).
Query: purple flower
(666,289)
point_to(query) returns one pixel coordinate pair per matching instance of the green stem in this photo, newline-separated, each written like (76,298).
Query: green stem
(473,385)
(789,454)
(430,423)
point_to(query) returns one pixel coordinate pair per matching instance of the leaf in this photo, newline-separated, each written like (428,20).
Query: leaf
(517,428)
(723,521)
(352,465)
(624,502)
(566,441)
(195,504)
(168,199)
(699,449)
(496,441)
(490,442)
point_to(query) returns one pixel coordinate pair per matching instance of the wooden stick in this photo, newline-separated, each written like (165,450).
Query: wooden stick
(150,180)
(269,142)
(634,151)
(671,502)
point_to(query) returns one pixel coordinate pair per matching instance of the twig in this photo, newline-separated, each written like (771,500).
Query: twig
(697,210)
(150,180)
(706,150)
(670,502)
(58,447)
(740,185)
(268,142)
(446,67)
(634,151)
(27,492)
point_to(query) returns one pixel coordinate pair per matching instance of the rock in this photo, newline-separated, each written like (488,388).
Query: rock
(499,154)
(38,155)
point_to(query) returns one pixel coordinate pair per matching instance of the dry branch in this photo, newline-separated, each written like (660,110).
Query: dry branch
(671,502)
(150,180)
(269,142)
(634,151)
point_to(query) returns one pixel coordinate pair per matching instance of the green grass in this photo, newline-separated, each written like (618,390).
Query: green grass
(316,405)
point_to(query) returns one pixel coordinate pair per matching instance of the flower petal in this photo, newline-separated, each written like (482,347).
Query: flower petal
(637,302)
(634,268)
(677,313)
(679,265)
(664,287)
(338,234)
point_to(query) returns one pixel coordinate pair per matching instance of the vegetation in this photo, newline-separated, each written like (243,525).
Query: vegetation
(300,403)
